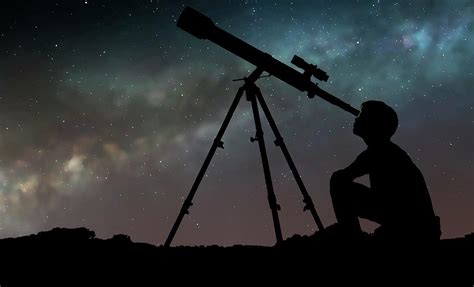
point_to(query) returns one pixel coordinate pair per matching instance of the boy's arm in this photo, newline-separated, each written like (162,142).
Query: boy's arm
(356,169)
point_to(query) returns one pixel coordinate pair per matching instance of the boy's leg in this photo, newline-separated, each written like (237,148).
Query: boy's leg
(352,200)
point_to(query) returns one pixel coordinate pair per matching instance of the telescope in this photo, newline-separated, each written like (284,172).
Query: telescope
(203,27)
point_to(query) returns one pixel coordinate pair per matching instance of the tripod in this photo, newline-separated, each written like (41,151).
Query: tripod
(253,95)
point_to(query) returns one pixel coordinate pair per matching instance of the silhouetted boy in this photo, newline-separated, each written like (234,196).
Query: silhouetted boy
(398,198)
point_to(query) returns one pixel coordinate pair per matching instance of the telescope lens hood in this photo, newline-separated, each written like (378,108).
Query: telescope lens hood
(195,23)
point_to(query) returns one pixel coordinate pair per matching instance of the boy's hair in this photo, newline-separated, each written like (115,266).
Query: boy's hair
(383,119)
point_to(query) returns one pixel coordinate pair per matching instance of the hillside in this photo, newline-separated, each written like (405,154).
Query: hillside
(76,257)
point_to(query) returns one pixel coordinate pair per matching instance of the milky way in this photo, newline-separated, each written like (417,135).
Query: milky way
(107,111)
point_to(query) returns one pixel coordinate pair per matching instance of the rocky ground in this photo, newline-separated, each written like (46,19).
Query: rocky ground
(76,257)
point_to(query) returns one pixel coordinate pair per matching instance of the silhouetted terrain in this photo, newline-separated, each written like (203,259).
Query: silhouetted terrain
(75,257)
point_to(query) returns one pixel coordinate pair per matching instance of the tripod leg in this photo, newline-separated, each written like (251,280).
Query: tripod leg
(217,143)
(251,89)
(279,142)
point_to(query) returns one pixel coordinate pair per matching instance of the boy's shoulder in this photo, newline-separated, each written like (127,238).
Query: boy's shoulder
(387,150)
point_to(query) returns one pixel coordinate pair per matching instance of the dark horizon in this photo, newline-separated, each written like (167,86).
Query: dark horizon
(108,111)
(300,260)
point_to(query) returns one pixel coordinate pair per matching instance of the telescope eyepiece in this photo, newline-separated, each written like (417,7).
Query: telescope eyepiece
(310,68)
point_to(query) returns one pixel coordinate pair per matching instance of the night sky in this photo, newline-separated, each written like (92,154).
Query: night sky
(107,111)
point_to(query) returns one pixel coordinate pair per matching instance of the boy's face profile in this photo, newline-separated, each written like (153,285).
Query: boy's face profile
(376,122)
(360,124)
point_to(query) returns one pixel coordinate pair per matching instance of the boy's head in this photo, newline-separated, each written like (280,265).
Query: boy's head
(376,121)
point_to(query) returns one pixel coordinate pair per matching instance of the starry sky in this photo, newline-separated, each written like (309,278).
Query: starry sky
(107,111)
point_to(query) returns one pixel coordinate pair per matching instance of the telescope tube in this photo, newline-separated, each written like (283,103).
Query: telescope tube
(202,27)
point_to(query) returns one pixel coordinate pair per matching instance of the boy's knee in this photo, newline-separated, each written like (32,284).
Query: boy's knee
(338,179)
(338,186)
